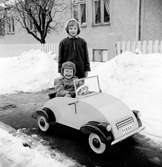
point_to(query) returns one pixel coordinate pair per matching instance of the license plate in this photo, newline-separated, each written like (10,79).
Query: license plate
(126,129)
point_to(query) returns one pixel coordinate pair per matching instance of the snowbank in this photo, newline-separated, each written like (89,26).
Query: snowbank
(18,149)
(29,72)
(135,79)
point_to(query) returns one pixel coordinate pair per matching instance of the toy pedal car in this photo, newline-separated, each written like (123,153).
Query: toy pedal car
(103,117)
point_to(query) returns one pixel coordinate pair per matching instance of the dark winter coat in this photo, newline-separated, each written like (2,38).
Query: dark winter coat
(74,50)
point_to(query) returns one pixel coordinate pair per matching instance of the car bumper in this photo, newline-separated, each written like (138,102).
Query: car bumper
(128,135)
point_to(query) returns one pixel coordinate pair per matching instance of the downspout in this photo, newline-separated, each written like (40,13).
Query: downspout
(139,20)
(71,8)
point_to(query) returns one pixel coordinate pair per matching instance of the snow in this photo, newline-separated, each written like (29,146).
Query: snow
(28,72)
(13,153)
(136,79)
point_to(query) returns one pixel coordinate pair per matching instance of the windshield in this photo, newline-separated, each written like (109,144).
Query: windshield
(87,86)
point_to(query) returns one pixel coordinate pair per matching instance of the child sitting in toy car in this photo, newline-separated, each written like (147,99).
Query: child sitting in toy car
(64,85)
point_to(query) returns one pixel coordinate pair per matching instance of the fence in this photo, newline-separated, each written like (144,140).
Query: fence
(9,50)
(139,46)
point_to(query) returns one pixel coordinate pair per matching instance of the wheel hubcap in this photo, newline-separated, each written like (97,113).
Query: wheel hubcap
(42,123)
(96,143)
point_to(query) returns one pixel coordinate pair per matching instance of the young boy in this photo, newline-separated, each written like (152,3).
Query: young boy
(64,86)
(74,49)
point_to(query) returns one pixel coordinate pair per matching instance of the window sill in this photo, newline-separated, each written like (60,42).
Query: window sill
(83,25)
(10,33)
(101,24)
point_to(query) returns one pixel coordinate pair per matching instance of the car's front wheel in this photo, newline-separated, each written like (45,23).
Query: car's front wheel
(43,124)
(95,143)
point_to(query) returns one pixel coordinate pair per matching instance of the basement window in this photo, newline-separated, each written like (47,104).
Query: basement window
(100,55)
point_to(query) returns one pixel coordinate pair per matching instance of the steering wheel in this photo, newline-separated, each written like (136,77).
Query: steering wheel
(82,90)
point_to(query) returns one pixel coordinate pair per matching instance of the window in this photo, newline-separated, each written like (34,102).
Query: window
(10,27)
(2,26)
(79,11)
(100,55)
(101,12)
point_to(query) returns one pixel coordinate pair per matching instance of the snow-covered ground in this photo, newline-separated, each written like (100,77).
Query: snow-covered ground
(18,149)
(136,79)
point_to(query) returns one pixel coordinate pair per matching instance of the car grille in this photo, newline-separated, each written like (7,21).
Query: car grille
(124,122)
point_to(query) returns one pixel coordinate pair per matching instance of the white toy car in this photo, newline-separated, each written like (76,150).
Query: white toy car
(103,117)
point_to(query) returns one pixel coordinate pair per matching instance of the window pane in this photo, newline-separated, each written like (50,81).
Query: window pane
(83,13)
(13,25)
(75,12)
(2,27)
(97,12)
(8,25)
(106,11)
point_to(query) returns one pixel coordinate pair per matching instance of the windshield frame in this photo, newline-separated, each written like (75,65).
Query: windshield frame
(90,94)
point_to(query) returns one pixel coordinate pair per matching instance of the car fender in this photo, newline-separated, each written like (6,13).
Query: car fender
(99,129)
(48,113)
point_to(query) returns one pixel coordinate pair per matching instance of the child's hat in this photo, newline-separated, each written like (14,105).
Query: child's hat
(72,22)
(69,65)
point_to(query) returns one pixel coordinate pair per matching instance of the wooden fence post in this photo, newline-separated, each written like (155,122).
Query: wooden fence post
(138,47)
(144,47)
(156,46)
(123,46)
(128,44)
(160,47)
(150,46)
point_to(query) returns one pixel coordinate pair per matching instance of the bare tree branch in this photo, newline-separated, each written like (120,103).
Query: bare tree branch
(41,14)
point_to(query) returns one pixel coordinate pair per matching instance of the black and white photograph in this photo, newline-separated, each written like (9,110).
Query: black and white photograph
(80,83)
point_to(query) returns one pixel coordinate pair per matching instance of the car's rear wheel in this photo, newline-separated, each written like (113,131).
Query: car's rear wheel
(95,143)
(43,124)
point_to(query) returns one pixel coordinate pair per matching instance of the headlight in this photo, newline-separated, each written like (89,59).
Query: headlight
(108,127)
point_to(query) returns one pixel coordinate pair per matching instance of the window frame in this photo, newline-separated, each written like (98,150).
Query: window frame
(102,14)
(98,55)
(78,4)
(2,27)
(10,25)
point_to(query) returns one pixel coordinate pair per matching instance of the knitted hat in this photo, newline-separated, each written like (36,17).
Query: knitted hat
(69,65)
(72,22)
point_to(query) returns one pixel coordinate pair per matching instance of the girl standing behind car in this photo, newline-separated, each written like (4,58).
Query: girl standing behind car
(74,49)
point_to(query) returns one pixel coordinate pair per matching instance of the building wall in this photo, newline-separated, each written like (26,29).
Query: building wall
(151,20)
(123,19)
(123,26)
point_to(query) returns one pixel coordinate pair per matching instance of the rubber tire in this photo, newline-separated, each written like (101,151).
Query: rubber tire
(101,149)
(46,126)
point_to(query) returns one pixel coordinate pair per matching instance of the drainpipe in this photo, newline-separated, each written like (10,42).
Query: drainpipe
(139,19)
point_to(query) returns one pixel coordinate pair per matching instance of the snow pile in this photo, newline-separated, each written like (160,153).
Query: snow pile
(29,72)
(13,153)
(137,81)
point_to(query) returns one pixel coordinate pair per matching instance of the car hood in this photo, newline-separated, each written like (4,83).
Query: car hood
(111,107)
